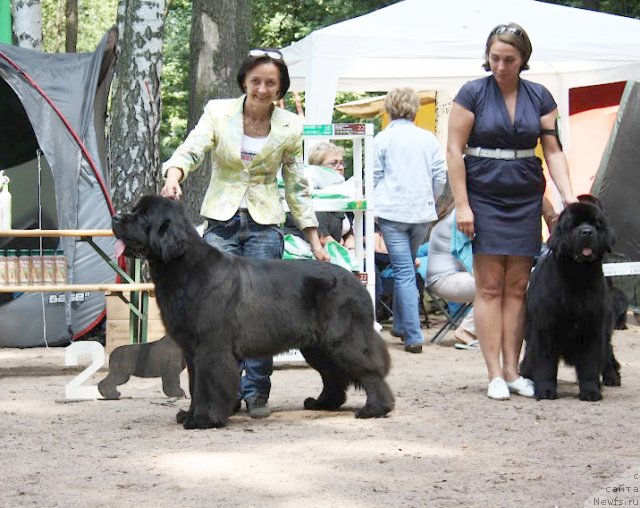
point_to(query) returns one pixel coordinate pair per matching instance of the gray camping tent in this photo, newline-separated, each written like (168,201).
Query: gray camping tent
(52,146)
(617,184)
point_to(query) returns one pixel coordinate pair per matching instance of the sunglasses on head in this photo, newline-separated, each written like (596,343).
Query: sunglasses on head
(503,28)
(257,53)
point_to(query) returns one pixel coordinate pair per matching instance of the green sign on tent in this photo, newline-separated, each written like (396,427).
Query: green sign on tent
(5,21)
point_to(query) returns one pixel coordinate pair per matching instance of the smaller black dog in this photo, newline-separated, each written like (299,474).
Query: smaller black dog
(569,307)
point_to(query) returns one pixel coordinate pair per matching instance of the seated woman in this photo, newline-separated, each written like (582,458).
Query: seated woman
(326,172)
(449,275)
(331,225)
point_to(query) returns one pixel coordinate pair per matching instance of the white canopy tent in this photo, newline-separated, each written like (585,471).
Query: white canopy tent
(439,45)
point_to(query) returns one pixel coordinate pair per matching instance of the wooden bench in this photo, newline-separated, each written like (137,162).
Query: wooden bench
(139,291)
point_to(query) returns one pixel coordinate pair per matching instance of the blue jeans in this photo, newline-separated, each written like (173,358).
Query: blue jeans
(402,241)
(242,236)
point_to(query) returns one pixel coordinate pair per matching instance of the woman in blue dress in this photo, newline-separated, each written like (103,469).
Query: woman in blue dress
(498,185)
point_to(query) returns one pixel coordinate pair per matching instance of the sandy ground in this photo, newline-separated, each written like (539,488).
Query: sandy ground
(445,444)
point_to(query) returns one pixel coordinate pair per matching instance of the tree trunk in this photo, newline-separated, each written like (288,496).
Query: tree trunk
(220,34)
(27,23)
(134,134)
(71,26)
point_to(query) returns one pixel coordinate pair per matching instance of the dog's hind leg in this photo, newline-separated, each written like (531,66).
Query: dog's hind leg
(379,397)
(367,363)
(335,382)
(611,369)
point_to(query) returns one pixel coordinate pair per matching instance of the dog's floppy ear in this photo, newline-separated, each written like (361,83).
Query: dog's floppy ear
(590,199)
(553,243)
(168,239)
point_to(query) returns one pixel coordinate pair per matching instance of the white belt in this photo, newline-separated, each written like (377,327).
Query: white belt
(500,153)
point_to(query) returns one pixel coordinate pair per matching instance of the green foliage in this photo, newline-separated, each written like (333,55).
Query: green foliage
(94,19)
(627,8)
(278,23)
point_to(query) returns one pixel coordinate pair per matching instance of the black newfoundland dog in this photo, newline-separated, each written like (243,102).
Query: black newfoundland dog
(569,308)
(219,308)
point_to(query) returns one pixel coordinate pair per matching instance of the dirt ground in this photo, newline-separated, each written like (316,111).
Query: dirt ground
(445,444)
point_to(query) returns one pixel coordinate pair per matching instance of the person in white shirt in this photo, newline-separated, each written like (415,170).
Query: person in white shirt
(409,176)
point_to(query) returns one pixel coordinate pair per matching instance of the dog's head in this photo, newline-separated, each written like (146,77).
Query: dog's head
(582,232)
(156,229)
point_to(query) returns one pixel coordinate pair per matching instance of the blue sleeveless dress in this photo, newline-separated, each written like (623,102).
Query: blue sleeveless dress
(505,195)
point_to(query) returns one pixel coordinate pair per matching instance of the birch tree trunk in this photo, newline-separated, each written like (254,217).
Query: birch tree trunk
(220,34)
(27,23)
(134,133)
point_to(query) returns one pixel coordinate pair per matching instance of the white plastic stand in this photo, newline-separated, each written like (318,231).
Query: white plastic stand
(361,205)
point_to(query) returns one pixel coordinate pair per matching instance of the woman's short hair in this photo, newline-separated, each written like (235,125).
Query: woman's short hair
(320,151)
(402,102)
(260,56)
(514,35)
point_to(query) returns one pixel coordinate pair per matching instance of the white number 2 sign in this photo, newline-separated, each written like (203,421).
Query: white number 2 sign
(74,390)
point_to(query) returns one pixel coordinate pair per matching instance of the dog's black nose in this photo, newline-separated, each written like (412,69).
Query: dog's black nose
(586,232)
(116,218)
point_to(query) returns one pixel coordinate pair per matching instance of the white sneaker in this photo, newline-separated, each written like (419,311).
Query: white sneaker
(522,386)
(498,389)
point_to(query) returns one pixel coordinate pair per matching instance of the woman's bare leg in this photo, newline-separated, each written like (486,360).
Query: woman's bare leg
(517,271)
(489,273)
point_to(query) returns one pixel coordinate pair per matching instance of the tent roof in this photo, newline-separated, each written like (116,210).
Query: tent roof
(435,45)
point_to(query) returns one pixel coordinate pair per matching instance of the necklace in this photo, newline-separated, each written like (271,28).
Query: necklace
(258,133)
(266,128)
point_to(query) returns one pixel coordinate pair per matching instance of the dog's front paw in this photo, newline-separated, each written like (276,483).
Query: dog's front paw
(546,390)
(590,394)
(197,422)
(181,416)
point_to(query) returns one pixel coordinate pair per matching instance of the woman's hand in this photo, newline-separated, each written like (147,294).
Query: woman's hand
(320,254)
(464,221)
(316,245)
(567,200)
(171,187)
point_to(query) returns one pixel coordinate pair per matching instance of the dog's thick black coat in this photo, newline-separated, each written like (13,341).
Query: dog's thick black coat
(569,309)
(619,306)
(220,307)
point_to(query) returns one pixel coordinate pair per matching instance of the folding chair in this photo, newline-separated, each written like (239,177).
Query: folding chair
(385,301)
(452,318)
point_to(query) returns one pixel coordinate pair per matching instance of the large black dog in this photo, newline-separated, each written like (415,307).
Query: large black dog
(219,308)
(569,309)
